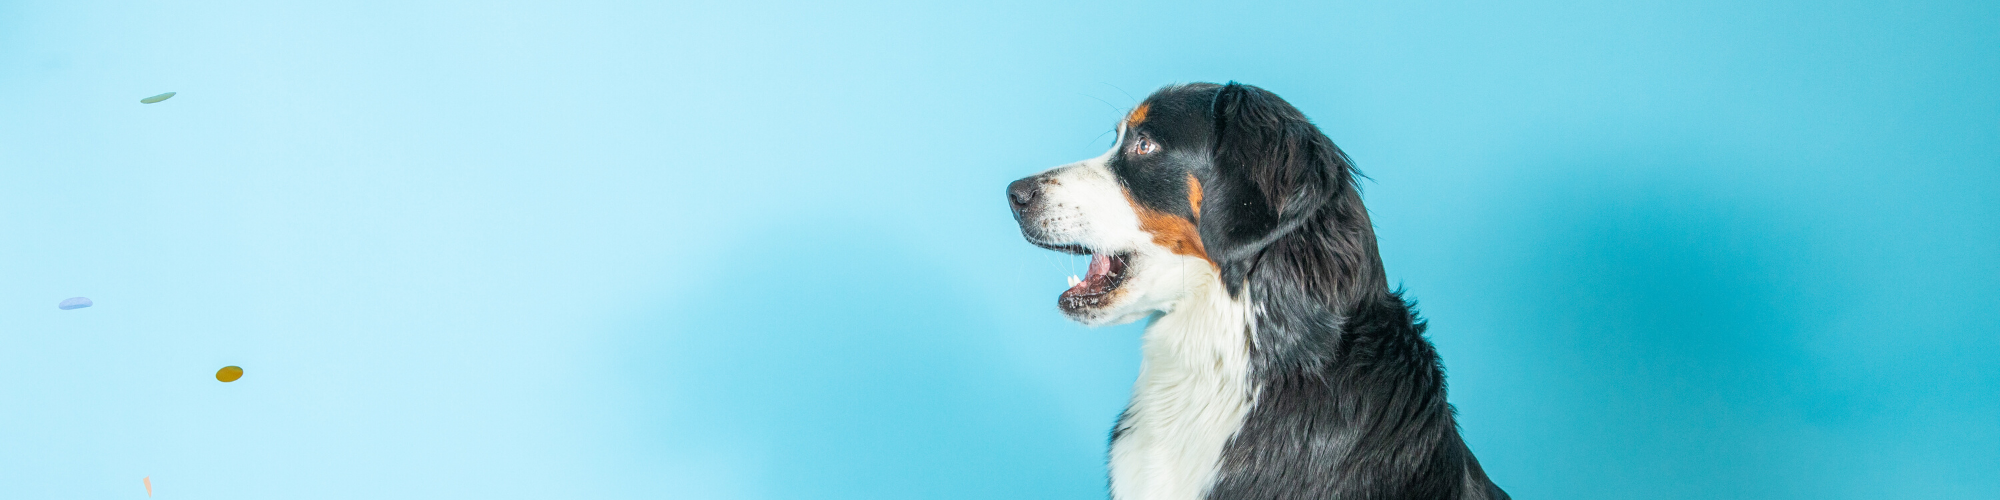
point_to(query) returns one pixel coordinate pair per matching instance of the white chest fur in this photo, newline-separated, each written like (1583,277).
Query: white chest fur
(1191,397)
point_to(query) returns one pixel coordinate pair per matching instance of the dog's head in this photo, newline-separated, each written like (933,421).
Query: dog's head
(1201,181)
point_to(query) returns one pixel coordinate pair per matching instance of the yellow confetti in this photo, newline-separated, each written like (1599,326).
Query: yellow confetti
(156,98)
(229,373)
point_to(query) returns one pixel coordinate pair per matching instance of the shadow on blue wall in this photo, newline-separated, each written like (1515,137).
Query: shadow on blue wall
(1682,334)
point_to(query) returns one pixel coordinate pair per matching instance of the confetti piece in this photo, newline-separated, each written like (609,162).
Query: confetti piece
(74,303)
(149,485)
(229,374)
(156,98)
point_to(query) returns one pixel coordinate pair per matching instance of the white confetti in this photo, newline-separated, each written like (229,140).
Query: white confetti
(156,98)
(74,303)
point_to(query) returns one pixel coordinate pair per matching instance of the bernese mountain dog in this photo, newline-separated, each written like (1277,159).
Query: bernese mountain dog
(1277,362)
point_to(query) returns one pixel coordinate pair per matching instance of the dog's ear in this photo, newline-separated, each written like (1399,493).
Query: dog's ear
(1273,171)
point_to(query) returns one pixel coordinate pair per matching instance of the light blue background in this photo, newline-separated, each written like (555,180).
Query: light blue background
(751,250)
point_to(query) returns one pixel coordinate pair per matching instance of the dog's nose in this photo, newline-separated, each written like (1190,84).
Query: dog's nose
(1021,193)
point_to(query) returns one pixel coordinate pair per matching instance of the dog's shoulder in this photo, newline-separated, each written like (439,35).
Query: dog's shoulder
(1356,410)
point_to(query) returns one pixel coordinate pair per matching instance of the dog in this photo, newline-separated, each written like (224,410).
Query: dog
(1277,362)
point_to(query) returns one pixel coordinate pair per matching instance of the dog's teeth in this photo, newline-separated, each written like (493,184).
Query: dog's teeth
(1073,280)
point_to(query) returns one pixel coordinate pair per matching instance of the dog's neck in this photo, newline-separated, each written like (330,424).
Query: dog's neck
(1192,394)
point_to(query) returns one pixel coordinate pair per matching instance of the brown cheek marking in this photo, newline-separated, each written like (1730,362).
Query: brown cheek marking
(1194,196)
(1138,115)
(1175,233)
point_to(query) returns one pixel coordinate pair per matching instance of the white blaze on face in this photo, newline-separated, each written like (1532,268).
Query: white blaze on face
(1083,204)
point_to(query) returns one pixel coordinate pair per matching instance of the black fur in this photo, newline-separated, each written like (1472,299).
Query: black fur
(1351,396)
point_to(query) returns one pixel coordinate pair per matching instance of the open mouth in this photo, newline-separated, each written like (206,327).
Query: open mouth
(1107,271)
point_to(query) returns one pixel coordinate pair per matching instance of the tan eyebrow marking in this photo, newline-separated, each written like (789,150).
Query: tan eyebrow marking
(1137,116)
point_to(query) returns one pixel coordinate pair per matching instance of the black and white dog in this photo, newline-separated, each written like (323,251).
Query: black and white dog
(1278,363)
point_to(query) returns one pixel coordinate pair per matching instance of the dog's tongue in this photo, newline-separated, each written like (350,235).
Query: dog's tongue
(1100,269)
(1100,265)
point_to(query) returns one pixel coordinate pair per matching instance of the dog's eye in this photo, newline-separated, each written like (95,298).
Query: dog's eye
(1144,146)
